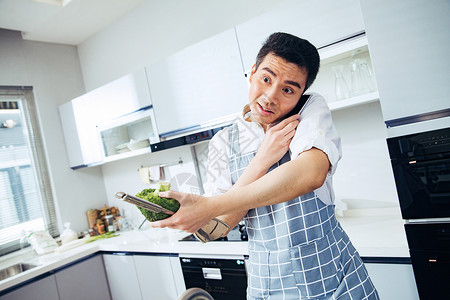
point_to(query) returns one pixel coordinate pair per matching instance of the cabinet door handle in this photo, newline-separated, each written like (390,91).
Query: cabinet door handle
(212,273)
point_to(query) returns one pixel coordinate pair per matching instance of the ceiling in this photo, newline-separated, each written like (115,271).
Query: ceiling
(61,21)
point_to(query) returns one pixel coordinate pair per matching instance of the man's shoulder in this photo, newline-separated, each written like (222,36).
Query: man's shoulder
(313,96)
(316,100)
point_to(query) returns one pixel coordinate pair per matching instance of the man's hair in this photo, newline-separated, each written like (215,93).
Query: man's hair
(294,50)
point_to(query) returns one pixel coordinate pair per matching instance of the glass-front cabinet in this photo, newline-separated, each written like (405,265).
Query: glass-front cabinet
(111,122)
(128,135)
(346,77)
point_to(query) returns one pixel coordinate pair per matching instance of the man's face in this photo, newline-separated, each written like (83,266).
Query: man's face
(275,89)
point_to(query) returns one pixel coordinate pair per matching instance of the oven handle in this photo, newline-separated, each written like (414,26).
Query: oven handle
(212,273)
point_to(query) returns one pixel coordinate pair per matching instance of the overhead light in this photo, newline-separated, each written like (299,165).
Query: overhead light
(54,2)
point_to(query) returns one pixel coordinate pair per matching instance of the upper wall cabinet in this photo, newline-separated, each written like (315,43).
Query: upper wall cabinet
(409,43)
(121,96)
(321,22)
(81,116)
(78,122)
(346,76)
(198,84)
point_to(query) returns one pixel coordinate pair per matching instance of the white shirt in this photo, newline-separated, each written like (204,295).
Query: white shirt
(316,129)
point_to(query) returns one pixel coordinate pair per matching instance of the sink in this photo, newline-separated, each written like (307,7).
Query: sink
(14,270)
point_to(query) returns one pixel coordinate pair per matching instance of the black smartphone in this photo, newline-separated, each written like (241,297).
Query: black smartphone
(299,107)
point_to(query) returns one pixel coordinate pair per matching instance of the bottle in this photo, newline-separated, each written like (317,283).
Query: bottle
(109,223)
(23,240)
(340,85)
(100,227)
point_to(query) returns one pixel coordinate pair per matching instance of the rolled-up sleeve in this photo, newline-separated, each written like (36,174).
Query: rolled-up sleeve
(316,129)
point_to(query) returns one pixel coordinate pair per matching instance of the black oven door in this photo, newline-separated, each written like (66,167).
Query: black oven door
(421,166)
(223,279)
(429,246)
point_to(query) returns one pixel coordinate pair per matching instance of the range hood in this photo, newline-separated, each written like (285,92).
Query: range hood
(194,134)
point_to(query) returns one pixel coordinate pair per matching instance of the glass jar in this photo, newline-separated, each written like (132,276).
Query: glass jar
(362,81)
(109,223)
(340,84)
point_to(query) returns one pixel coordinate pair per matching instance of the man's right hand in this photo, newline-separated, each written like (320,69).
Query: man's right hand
(277,140)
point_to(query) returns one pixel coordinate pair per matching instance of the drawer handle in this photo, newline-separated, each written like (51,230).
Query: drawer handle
(212,273)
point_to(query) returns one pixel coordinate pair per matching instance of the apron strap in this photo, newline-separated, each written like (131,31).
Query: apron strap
(233,138)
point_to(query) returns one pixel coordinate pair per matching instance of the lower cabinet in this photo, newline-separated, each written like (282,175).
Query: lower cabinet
(156,277)
(122,277)
(393,281)
(146,277)
(42,289)
(85,279)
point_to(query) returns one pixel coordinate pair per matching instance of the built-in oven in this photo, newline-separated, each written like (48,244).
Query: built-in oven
(421,167)
(224,278)
(429,246)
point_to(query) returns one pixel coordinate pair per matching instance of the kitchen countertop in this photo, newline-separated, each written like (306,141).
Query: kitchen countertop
(380,236)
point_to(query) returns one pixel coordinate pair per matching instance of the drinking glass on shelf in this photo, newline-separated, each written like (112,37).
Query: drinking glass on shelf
(340,85)
(362,81)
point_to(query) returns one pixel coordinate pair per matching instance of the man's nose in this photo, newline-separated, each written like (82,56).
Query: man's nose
(272,94)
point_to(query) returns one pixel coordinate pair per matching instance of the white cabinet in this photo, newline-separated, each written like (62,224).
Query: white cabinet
(122,277)
(320,22)
(84,280)
(120,97)
(80,117)
(198,84)
(393,281)
(409,43)
(80,136)
(360,87)
(42,289)
(149,276)
(156,276)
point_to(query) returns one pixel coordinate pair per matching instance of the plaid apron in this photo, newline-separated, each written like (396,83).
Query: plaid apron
(297,249)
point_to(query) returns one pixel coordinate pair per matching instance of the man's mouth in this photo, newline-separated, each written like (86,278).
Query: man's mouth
(264,111)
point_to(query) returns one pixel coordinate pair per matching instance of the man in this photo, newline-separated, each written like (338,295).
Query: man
(297,248)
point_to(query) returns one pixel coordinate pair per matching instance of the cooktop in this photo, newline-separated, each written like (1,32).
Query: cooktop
(237,234)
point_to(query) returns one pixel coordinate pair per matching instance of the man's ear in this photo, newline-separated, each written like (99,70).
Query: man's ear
(252,71)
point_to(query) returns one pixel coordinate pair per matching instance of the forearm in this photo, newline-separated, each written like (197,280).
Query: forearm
(255,170)
(292,179)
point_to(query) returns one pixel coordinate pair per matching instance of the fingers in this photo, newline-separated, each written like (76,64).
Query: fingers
(184,198)
(183,218)
(170,194)
(286,125)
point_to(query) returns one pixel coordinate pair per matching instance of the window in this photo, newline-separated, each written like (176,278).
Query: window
(25,194)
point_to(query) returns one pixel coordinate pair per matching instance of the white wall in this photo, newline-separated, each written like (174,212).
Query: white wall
(364,174)
(55,75)
(158,28)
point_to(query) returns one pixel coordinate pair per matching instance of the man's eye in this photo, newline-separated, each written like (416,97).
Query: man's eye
(288,90)
(266,79)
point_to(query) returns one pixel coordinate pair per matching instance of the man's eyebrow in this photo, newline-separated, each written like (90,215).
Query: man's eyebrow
(294,83)
(270,71)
